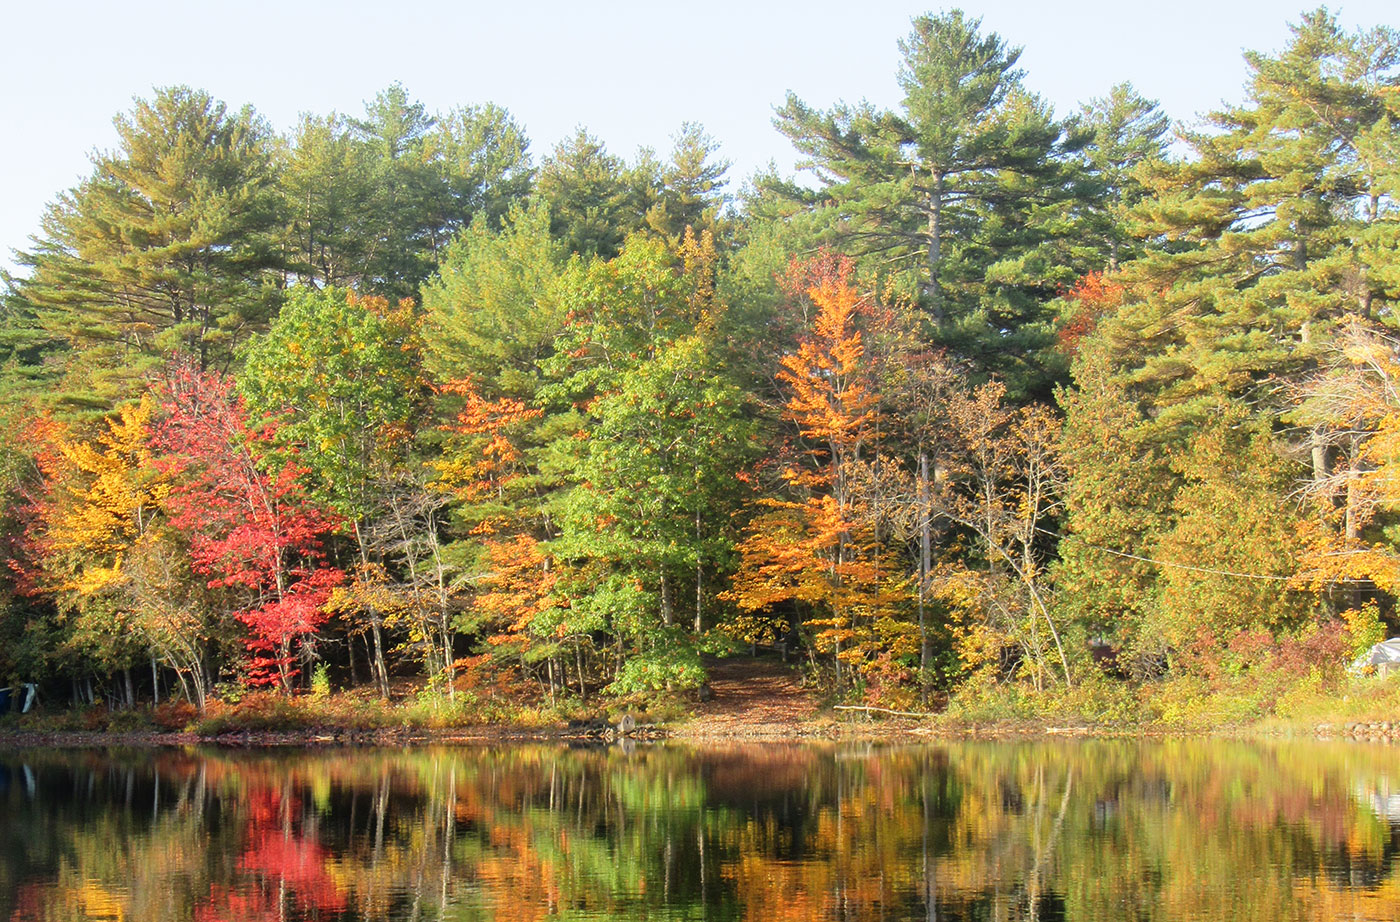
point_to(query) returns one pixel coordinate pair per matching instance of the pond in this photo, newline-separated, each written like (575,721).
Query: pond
(1092,830)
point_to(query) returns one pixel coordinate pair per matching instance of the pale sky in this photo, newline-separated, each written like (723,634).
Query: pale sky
(631,72)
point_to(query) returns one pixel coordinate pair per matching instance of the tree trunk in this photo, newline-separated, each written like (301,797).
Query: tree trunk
(668,613)
(699,576)
(1318,445)
(381,672)
(925,564)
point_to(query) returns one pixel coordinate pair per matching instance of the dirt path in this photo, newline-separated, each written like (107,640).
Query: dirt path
(754,698)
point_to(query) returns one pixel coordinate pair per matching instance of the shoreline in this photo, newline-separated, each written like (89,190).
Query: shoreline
(815,732)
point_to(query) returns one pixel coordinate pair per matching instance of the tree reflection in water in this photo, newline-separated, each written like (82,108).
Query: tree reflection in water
(995,831)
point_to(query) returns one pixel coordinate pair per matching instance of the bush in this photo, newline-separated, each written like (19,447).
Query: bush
(174,714)
(320,682)
(669,667)
(259,711)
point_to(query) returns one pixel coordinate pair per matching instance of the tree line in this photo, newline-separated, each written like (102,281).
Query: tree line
(991,390)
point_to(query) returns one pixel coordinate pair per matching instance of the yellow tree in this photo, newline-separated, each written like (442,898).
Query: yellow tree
(1357,396)
(106,499)
(98,518)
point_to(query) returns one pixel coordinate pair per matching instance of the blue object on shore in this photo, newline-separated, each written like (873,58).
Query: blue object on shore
(5,701)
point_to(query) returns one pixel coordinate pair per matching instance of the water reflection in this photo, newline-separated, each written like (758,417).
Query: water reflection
(1044,831)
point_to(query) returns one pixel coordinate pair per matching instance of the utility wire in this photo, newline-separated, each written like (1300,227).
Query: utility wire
(1265,577)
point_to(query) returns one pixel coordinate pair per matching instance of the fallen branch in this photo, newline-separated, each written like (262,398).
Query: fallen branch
(870,707)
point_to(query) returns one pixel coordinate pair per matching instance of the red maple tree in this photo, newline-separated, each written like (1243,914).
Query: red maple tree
(251,526)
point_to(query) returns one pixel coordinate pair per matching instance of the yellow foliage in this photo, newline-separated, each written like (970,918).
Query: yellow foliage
(106,494)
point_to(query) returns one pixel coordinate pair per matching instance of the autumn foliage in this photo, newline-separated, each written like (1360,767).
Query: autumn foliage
(811,548)
(252,530)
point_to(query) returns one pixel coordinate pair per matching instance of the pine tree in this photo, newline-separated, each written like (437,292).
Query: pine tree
(326,181)
(1260,255)
(494,308)
(1123,131)
(592,205)
(167,247)
(966,187)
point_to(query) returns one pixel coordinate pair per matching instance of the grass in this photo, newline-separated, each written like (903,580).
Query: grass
(1262,701)
(359,710)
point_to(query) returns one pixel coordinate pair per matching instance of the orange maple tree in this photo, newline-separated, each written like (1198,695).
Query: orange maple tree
(814,548)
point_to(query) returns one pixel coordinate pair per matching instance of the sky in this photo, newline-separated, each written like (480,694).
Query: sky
(629,72)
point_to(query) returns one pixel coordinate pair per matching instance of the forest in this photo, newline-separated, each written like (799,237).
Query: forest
(986,403)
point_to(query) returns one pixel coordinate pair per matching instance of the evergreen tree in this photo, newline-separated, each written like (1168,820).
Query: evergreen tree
(1123,131)
(167,247)
(375,201)
(326,179)
(966,187)
(1262,252)
(1266,222)
(691,186)
(399,241)
(589,203)
(494,308)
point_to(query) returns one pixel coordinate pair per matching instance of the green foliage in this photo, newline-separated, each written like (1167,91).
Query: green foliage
(592,203)
(494,308)
(654,462)
(546,447)
(320,681)
(340,376)
(166,248)
(431,176)
(671,665)
(1123,131)
(1231,515)
(967,187)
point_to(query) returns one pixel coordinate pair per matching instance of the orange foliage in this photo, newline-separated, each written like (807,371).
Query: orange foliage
(491,456)
(1092,297)
(816,549)
(519,587)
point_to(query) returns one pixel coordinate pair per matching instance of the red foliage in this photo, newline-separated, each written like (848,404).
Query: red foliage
(297,861)
(250,526)
(276,858)
(1092,297)
(24,547)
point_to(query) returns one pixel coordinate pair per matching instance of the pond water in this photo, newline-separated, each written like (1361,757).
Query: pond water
(1094,830)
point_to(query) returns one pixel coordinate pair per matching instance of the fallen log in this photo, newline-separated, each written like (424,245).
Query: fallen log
(870,707)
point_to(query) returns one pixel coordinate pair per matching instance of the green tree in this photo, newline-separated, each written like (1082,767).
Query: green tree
(399,240)
(375,201)
(592,205)
(482,156)
(1123,131)
(167,247)
(492,311)
(339,376)
(326,180)
(1235,482)
(966,187)
(1260,253)
(658,490)
(691,186)
(1266,221)
(646,468)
